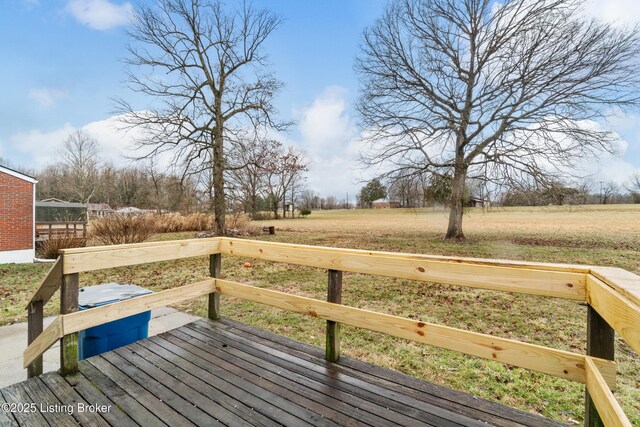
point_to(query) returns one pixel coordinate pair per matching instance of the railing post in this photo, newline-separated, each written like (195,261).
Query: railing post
(600,343)
(69,343)
(334,295)
(215,265)
(34,328)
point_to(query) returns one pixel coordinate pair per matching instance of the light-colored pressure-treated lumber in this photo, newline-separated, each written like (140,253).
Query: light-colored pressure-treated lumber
(135,245)
(50,284)
(623,281)
(558,363)
(507,279)
(80,261)
(46,339)
(567,268)
(80,320)
(619,312)
(608,408)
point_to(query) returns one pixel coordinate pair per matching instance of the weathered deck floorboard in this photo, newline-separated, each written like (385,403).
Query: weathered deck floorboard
(228,373)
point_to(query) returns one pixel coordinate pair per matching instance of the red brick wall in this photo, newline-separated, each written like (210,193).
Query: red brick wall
(16,213)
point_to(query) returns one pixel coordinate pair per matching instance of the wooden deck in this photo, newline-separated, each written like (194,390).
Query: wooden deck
(227,373)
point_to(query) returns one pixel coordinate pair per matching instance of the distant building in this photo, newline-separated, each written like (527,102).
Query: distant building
(56,218)
(98,210)
(132,210)
(56,210)
(385,204)
(17,216)
(478,202)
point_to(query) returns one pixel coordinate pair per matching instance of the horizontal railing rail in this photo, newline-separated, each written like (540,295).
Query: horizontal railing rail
(613,295)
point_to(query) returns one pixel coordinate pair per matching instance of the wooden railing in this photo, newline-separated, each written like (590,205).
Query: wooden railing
(55,229)
(613,297)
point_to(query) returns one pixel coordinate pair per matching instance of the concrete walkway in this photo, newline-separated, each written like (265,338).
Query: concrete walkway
(13,341)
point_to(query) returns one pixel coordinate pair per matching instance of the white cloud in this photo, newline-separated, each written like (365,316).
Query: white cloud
(610,166)
(328,137)
(47,97)
(616,11)
(100,14)
(42,147)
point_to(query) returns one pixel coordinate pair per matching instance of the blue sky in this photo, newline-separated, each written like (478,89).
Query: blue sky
(61,65)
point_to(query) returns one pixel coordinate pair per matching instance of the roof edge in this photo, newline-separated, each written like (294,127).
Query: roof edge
(17,174)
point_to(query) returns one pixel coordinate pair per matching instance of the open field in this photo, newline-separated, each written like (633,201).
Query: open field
(605,235)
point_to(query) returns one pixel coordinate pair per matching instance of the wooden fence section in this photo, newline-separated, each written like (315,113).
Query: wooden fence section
(55,229)
(557,363)
(562,284)
(612,295)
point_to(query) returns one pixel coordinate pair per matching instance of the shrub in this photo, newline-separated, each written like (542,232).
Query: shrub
(305,212)
(261,216)
(118,229)
(50,248)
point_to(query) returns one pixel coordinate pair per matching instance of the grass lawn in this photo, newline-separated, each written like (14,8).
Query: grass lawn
(602,235)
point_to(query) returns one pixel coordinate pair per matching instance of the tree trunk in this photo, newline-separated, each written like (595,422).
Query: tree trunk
(457,200)
(275,207)
(219,206)
(253,204)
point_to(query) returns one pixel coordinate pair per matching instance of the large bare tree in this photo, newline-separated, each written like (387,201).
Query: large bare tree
(203,66)
(80,165)
(477,88)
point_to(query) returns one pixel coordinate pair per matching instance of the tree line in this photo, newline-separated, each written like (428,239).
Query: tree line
(431,190)
(266,177)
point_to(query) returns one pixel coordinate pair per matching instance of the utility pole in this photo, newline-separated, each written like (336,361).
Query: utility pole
(601,182)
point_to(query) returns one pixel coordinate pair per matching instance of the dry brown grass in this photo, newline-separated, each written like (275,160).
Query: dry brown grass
(520,220)
(591,226)
(174,222)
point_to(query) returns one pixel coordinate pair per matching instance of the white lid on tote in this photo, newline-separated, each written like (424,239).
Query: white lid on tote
(92,296)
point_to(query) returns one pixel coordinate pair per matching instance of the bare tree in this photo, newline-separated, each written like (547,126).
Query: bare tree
(584,187)
(609,191)
(249,179)
(407,190)
(507,90)
(80,166)
(284,169)
(633,186)
(309,199)
(202,64)
(329,203)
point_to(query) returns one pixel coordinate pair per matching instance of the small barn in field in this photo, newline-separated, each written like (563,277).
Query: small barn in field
(478,202)
(385,204)
(17,216)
